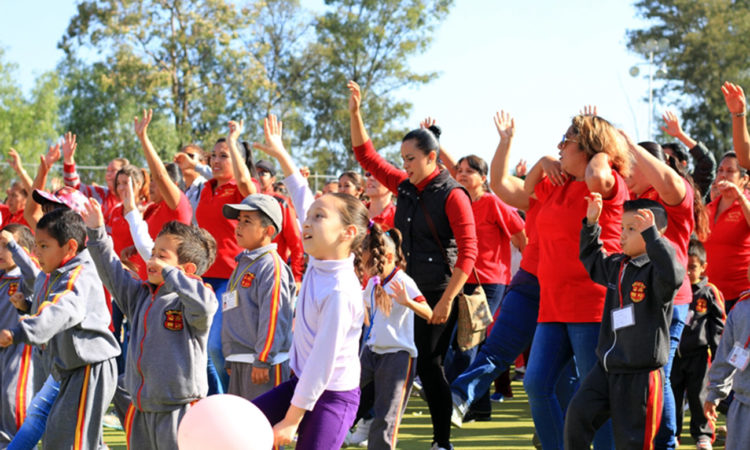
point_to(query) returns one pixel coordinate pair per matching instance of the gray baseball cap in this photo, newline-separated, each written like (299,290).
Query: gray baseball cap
(256,202)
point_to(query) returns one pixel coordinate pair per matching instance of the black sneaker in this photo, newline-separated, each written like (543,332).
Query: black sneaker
(474,416)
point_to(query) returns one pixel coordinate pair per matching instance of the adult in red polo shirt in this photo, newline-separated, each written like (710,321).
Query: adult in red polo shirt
(231,183)
(592,159)
(728,245)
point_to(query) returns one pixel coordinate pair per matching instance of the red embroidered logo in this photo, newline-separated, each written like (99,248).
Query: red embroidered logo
(12,288)
(701,306)
(247,280)
(638,292)
(173,320)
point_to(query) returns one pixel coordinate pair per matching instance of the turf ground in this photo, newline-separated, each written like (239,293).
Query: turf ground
(511,428)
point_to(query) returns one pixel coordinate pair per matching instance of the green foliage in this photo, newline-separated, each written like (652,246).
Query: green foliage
(709,43)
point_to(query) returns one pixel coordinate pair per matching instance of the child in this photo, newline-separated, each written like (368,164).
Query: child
(729,372)
(633,347)
(389,354)
(15,361)
(697,346)
(71,321)
(169,316)
(324,395)
(257,322)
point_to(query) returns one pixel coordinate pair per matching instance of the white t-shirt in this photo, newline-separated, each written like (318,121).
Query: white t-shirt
(396,332)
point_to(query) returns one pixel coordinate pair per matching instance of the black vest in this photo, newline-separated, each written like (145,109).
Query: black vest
(424,259)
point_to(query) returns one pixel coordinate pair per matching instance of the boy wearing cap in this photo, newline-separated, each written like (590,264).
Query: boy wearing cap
(257,321)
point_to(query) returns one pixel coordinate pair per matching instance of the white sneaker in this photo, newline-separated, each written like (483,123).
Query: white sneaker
(457,413)
(360,434)
(435,446)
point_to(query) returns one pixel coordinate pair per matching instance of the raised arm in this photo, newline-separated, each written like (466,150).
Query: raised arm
(599,177)
(170,192)
(445,157)
(672,127)
(734,97)
(33,210)
(17,166)
(510,189)
(666,182)
(239,168)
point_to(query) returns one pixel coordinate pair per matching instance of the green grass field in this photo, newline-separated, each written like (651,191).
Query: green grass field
(511,428)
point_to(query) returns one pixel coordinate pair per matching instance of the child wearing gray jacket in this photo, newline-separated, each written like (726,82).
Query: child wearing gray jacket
(170,316)
(256,332)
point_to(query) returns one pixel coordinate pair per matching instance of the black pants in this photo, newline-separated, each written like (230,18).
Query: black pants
(632,400)
(432,342)
(690,375)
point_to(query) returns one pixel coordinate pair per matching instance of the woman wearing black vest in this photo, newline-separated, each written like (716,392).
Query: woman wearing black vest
(421,187)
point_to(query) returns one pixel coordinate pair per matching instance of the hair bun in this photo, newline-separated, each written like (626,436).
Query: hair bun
(435,130)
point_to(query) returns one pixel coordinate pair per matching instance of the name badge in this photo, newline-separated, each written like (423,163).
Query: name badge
(229,300)
(739,356)
(622,317)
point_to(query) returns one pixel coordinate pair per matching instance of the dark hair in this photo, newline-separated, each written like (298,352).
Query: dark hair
(280,188)
(22,234)
(654,149)
(726,155)
(425,139)
(477,164)
(677,149)
(660,214)
(220,140)
(357,179)
(18,185)
(696,248)
(139,177)
(196,245)
(64,224)
(377,243)
(174,173)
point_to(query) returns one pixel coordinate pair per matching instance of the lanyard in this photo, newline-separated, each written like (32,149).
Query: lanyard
(619,280)
(235,280)
(48,287)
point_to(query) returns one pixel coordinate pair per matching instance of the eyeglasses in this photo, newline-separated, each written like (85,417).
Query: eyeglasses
(565,139)
(368,174)
(262,173)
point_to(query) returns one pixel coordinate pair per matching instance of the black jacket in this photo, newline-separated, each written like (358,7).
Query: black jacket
(704,169)
(649,284)
(705,320)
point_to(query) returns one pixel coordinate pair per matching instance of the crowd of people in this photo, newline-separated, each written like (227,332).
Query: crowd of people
(208,274)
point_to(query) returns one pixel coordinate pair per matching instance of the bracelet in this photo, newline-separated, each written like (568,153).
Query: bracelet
(739,114)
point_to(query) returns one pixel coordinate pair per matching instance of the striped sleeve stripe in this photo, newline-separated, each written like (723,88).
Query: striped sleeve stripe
(129,423)
(654,408)
(81,422)
(68,289)
(22,386)
(719,298)
(275,298)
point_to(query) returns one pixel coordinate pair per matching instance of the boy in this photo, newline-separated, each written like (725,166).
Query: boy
(15,361)
(70,323)
(698,344)
(729,372)
(169,316)
(256,332)
(633,347)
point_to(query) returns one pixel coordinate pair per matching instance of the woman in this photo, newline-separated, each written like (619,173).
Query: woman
(424,189)
(728,245)
(380,208)
(351,183)
(592,159)
(231,183)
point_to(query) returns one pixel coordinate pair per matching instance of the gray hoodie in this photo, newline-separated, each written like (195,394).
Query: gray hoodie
(169,323)
(723,377)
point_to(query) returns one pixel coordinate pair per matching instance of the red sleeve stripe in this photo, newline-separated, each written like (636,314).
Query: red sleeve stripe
(275,298)
(22,386)
(68,289)
(129,423)
(420,299)
(81,422)
(719,299)
(654,407)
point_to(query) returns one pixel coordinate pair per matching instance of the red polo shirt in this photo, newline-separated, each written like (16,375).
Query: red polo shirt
(530,257)
(158,214)
(728,249)
(211,218)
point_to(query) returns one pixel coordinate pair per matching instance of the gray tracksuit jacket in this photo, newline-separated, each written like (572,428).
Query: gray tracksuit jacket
(167,358)
(724,377)
(260,324)
(10,283)
(69,316)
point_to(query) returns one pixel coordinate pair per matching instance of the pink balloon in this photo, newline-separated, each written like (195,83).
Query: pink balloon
(226,422)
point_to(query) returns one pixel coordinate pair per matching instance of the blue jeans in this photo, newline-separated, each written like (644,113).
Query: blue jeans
(667,435)
(218,379)
(36,417)
(510,336)
(554,346)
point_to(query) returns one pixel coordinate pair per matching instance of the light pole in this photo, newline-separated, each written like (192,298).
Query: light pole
(648,49)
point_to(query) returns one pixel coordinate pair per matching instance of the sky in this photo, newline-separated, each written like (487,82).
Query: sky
(541,60)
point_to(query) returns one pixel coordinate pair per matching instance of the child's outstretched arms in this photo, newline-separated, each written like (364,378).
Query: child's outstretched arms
(400,296)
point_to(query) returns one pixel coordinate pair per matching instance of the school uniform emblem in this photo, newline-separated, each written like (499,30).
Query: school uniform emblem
(173,320)
(247,280)
(734,216)
(12,288)
(638,292)
(701,306)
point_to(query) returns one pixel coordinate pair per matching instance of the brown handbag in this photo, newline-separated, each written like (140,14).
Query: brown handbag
(474,314)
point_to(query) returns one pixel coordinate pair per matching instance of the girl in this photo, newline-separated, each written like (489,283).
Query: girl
(320,402)
(388,357)
(119,228)
(430,206)
(380,207)
(351,183)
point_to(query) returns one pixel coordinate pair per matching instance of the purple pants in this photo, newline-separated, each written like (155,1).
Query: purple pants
(324,427)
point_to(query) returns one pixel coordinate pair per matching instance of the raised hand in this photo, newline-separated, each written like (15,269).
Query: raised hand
(644,219)
(672,127)
(355,99)
(273,146)
(235,129)
(52,155)
(593,207)
(427,122)
(6,237)
(727,189)
(69,146)
(521,168)
(92,214)
(141,126)
(734,97)
(15,160)
(400,295)
(304,171)
(588,110)
(184,161)
(128,197)
(6,338)
(505,124)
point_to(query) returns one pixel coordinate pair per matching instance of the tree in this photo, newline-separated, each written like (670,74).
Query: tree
(709,43)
